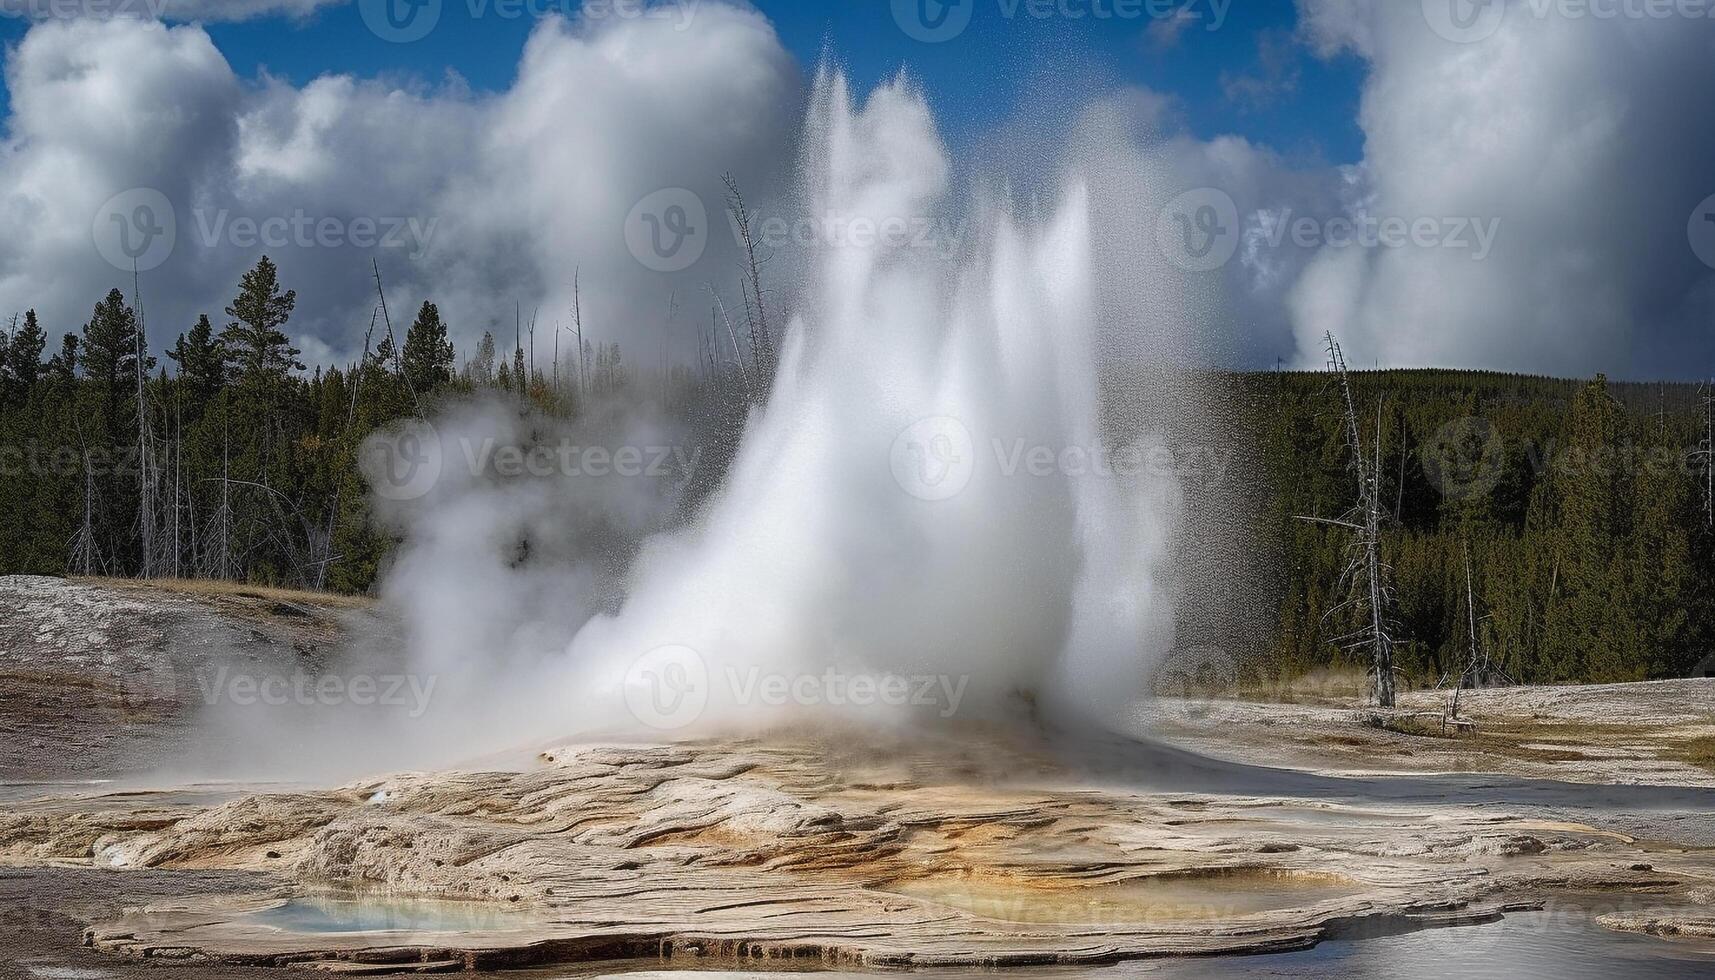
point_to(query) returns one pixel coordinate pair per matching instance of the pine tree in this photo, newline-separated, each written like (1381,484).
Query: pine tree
(202,364)
(255,347)
(62,367)
(429,355)
(24,355)
(110,357)
(1584,635)
(480,370)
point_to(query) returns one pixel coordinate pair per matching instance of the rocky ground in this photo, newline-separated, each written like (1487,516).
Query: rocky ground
(960,847)
(99,678)
(1660,733)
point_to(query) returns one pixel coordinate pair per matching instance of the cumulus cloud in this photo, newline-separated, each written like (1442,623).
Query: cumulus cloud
(1276,73)
(178,10)
(484,203)
(1577,137)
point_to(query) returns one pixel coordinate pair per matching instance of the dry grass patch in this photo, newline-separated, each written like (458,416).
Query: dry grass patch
(221,589)
(1699,751)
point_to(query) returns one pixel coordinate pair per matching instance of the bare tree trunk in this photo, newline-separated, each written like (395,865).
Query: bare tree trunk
(761,339)
(1366,575)
(737,355)
(145,474)
(387,321)
(578,321)
(1707,453)
(85,556)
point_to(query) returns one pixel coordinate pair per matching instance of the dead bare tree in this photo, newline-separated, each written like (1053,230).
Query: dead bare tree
(1706,454)
(1366,578)
(217,560)
(750,284)
(578,321)
(1479,669)
(738,357)
(146,517)
(85,557)
(392,342)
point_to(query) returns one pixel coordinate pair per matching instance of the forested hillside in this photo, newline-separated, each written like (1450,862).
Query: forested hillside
(246,464)
(1580,508)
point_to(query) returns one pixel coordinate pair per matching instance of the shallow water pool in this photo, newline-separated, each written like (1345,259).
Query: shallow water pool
(1200,896)
(340,914)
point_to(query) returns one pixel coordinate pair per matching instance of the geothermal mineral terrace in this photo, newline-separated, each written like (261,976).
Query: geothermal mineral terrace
(956,846)
(909,850)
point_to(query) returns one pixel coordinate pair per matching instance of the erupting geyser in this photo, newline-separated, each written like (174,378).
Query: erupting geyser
(929,516)
(921,496)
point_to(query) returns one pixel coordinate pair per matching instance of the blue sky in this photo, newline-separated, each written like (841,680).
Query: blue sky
(1610,118)
(976,80)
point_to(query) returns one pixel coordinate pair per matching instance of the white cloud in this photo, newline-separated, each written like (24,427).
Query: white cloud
(1582,137)
(1166,32)
(175,10)
(497,198)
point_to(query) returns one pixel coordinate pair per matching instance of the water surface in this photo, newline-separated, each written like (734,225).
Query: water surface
(315,914)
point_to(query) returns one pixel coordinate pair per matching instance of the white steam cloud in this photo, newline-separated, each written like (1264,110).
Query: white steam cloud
(1579,136)
(480,203)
